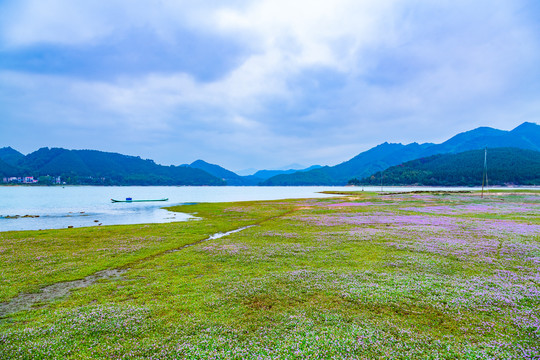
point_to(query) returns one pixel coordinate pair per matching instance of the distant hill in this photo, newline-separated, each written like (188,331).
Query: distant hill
(10,156)
(103,168)
(504,166)
(234,179)
(246,172)
(226,175)
(293,166)
(525,136)
(379,157)
(266,174)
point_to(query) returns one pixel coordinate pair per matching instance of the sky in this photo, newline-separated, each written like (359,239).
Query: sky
(264,83)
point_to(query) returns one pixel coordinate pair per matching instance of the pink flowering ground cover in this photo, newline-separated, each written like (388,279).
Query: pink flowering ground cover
(474,209)
(371,276)
(348,204)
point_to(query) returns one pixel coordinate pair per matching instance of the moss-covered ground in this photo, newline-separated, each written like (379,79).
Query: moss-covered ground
(360,276)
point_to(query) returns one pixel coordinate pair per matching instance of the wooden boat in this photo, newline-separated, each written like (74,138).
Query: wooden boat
(129,200)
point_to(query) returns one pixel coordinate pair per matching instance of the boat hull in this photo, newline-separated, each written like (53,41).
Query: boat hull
(130,201)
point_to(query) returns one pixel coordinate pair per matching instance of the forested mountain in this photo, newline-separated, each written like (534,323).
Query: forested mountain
(525,136)
(10,156)
(504,166)
(6,170)
(97,167)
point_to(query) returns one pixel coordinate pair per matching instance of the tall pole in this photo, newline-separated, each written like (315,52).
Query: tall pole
(485,165)
(484,172)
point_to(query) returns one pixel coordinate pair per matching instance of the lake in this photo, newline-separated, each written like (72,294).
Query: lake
(78,206)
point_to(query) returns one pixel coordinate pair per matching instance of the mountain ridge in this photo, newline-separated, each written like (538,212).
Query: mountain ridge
(228,176)
(382,156)
(103,168)
(10,156)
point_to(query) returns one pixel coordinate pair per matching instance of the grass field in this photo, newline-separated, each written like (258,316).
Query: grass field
(360,276)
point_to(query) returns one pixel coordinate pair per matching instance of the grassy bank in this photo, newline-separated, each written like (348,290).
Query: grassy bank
(424,275)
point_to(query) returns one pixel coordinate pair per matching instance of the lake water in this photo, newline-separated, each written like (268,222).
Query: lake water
(78,206)
(59,207)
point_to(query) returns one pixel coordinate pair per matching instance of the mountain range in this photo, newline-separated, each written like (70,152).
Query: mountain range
(525,136)
(233,179)
(504,166)
(103,168)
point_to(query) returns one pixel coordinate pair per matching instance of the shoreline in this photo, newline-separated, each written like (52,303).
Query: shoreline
(95,223)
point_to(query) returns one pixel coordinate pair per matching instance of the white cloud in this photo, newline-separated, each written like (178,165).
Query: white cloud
(436,66)
(67,22)
(56,21)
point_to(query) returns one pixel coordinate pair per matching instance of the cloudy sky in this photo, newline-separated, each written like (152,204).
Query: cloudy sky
(262,83)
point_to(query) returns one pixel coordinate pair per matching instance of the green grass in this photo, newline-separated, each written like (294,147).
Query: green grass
(405,276)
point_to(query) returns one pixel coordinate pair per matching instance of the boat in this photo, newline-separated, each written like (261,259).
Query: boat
(129,200)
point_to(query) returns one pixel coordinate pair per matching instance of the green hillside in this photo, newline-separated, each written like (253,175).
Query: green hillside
(10,156)
(102,168)
(504,166)
(6,170)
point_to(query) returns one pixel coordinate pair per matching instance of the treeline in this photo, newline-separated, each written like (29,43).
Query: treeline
(91,167)
(505,166)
